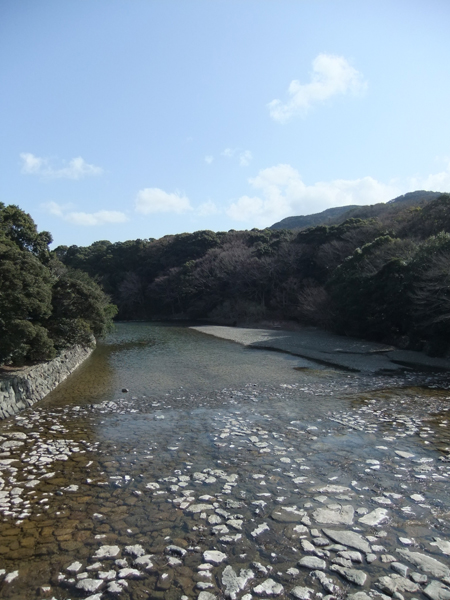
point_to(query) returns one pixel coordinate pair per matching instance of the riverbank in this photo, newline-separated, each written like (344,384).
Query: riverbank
(23,387)
(330,349)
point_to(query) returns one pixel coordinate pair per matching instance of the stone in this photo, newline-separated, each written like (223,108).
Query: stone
(312,562)
(359,596)
(348,538)
(199,508)
(214,557)
(396,583)
(399,568)
(89,585)
(443,546)
(74,567)
(136,550)
(326,582)
(353,575)
(376,517)
(403,454)
(107,552)
(437,591)
(206,596)
(11,576)
(288,514)
(128,573)
(233,583)
(260,529)
(343,515)
(302,593)
(425,563)
(269,587)
(419,577)
(172,549)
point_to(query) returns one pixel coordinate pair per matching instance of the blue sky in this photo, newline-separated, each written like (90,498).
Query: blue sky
(136,119)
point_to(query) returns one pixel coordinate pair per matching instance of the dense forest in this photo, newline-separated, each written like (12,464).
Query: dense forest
(45,306)
(383,274)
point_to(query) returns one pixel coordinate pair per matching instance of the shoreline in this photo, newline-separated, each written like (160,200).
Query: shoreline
(329,349)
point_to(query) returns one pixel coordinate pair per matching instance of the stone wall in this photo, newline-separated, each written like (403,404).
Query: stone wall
(23,387)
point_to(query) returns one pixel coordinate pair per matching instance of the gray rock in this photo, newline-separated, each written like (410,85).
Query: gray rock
(233,583)
(396,583)
(443,546)
(136,550)
(437,591)
(359,596)
(376,517)
(348,538)
(206,596)
(425,563)
(269,587)
(128,573)
(302,593)
(419,577)
(172,549)
(288,514)
(326,582)
(312,562)
(198,508)
(107,552)
(399,568)
(89,585)
(353,575)
(214,557)
(334,516)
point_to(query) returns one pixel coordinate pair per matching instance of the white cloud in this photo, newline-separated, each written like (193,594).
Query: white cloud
(283,193)
(229,152)
(207,208)
(101,217)
(436,182)
(331,75)
(245,158)
(155,200)
(77,168)
(209,159)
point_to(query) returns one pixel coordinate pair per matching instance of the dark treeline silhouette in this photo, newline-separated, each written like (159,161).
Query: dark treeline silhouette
(385,276)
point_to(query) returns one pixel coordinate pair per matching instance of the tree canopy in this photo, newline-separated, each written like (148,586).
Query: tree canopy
(45,306)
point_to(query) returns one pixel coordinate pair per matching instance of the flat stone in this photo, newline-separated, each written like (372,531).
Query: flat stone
(334,516)
(233,583)
(443,546)
(376,517)
(396,583)
(302,593)
(206,596)
(437,591)
(260,529)
(214,557)
(198,508)
(348,538)
(326,582)
(172,549)
(330,489)
(11,576)
(136,550)
(399,568)
(288,514)
(74,567)
(269,587)
(425,563)
(403,454)
(89,585)
(312,562)
(107,552)
(359,596)
(353,575)
(128,573)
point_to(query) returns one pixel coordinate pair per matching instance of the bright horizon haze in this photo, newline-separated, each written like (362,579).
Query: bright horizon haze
(122,120)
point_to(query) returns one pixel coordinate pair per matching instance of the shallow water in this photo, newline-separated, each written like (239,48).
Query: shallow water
(244,433)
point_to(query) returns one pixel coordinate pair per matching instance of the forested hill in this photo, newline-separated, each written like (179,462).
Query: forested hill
(338,214)
(385,276)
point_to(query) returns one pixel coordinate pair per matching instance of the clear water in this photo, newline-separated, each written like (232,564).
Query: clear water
(247,433)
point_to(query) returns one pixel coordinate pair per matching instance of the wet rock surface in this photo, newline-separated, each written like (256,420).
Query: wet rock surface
(333,486)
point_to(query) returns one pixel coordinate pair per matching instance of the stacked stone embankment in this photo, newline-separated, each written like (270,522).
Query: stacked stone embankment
(22,388)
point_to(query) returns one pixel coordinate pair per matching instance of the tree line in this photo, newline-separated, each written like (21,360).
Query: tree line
(385,277)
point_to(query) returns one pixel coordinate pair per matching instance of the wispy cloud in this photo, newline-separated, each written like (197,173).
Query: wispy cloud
(282,193)
(244,156)
(155,200)
(207,209)
(77,168)
(101,217)
(332,75)
(209,159)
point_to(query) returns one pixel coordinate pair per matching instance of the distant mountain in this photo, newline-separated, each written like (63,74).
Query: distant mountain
(338,214)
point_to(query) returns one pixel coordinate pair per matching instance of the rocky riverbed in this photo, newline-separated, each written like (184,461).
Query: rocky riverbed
(335,486)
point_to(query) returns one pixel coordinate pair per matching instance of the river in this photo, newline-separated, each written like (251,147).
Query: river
(223,471)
